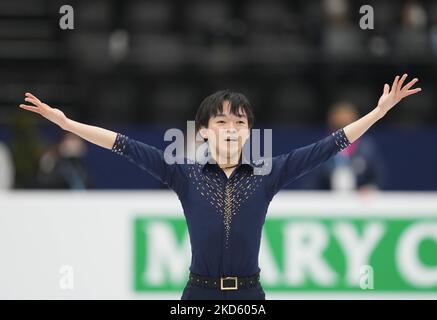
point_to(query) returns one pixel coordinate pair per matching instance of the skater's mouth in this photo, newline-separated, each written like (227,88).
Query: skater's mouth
(231,139)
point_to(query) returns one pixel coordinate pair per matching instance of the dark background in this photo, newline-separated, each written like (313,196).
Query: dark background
(141,67)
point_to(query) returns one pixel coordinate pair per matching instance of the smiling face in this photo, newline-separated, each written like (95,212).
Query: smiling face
(226,133)
(224,119)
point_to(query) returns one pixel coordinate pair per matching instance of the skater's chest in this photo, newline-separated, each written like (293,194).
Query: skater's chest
(210,188)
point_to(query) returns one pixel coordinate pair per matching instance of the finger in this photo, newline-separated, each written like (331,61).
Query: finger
(395,83)
(386,89)
(28,94)
(410,92)
(29,108)
(409,85)
(401,82)
(35,102)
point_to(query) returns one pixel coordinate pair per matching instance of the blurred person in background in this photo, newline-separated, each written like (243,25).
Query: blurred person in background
(358,167)
(26,148)
(62,166)
(413,38)
(7,169)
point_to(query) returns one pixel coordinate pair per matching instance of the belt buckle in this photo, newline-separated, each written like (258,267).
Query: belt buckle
(229,288)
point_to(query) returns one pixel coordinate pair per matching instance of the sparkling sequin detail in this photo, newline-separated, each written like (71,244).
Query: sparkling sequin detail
(340,139)
(119,144)
(225,196)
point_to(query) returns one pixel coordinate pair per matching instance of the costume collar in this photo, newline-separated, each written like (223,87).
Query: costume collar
(244,159)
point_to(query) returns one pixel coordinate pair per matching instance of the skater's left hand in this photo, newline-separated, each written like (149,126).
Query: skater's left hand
(391,96)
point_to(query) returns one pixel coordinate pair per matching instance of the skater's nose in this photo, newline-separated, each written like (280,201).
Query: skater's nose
(231,128)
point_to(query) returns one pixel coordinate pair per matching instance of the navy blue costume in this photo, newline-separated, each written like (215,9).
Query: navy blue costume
(363,160)
(225,215)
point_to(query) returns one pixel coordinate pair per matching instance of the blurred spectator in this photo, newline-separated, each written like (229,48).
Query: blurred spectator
(414,15)
(26,149)
(62,167)
(357,167)
(341,37)
(7,170)
(412,38)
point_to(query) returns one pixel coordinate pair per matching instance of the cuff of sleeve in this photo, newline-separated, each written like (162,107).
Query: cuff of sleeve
(340,139)
(120,143)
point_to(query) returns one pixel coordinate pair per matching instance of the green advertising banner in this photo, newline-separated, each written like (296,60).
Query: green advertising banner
(305,254)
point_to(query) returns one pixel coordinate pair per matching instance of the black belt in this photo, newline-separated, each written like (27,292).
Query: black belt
(224,283)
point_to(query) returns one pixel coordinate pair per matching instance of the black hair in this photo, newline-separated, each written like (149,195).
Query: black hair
(213,105)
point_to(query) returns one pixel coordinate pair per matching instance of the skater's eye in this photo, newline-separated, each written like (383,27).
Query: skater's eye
(220,121)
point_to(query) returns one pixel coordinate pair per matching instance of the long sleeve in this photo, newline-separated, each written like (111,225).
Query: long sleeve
(150,159)
(290,166)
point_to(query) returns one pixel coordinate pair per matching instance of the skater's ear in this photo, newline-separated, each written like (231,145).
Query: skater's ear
(203,133)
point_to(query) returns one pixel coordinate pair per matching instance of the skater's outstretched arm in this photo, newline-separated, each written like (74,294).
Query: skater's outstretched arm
(294,164)
(99,136)
(142,154)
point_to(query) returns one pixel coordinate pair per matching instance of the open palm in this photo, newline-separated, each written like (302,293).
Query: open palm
(54,115)
(391,96)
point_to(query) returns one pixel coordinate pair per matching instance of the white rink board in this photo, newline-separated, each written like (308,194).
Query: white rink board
(92,232)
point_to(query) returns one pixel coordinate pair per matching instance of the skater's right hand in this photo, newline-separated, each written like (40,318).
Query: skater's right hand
(54,115)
